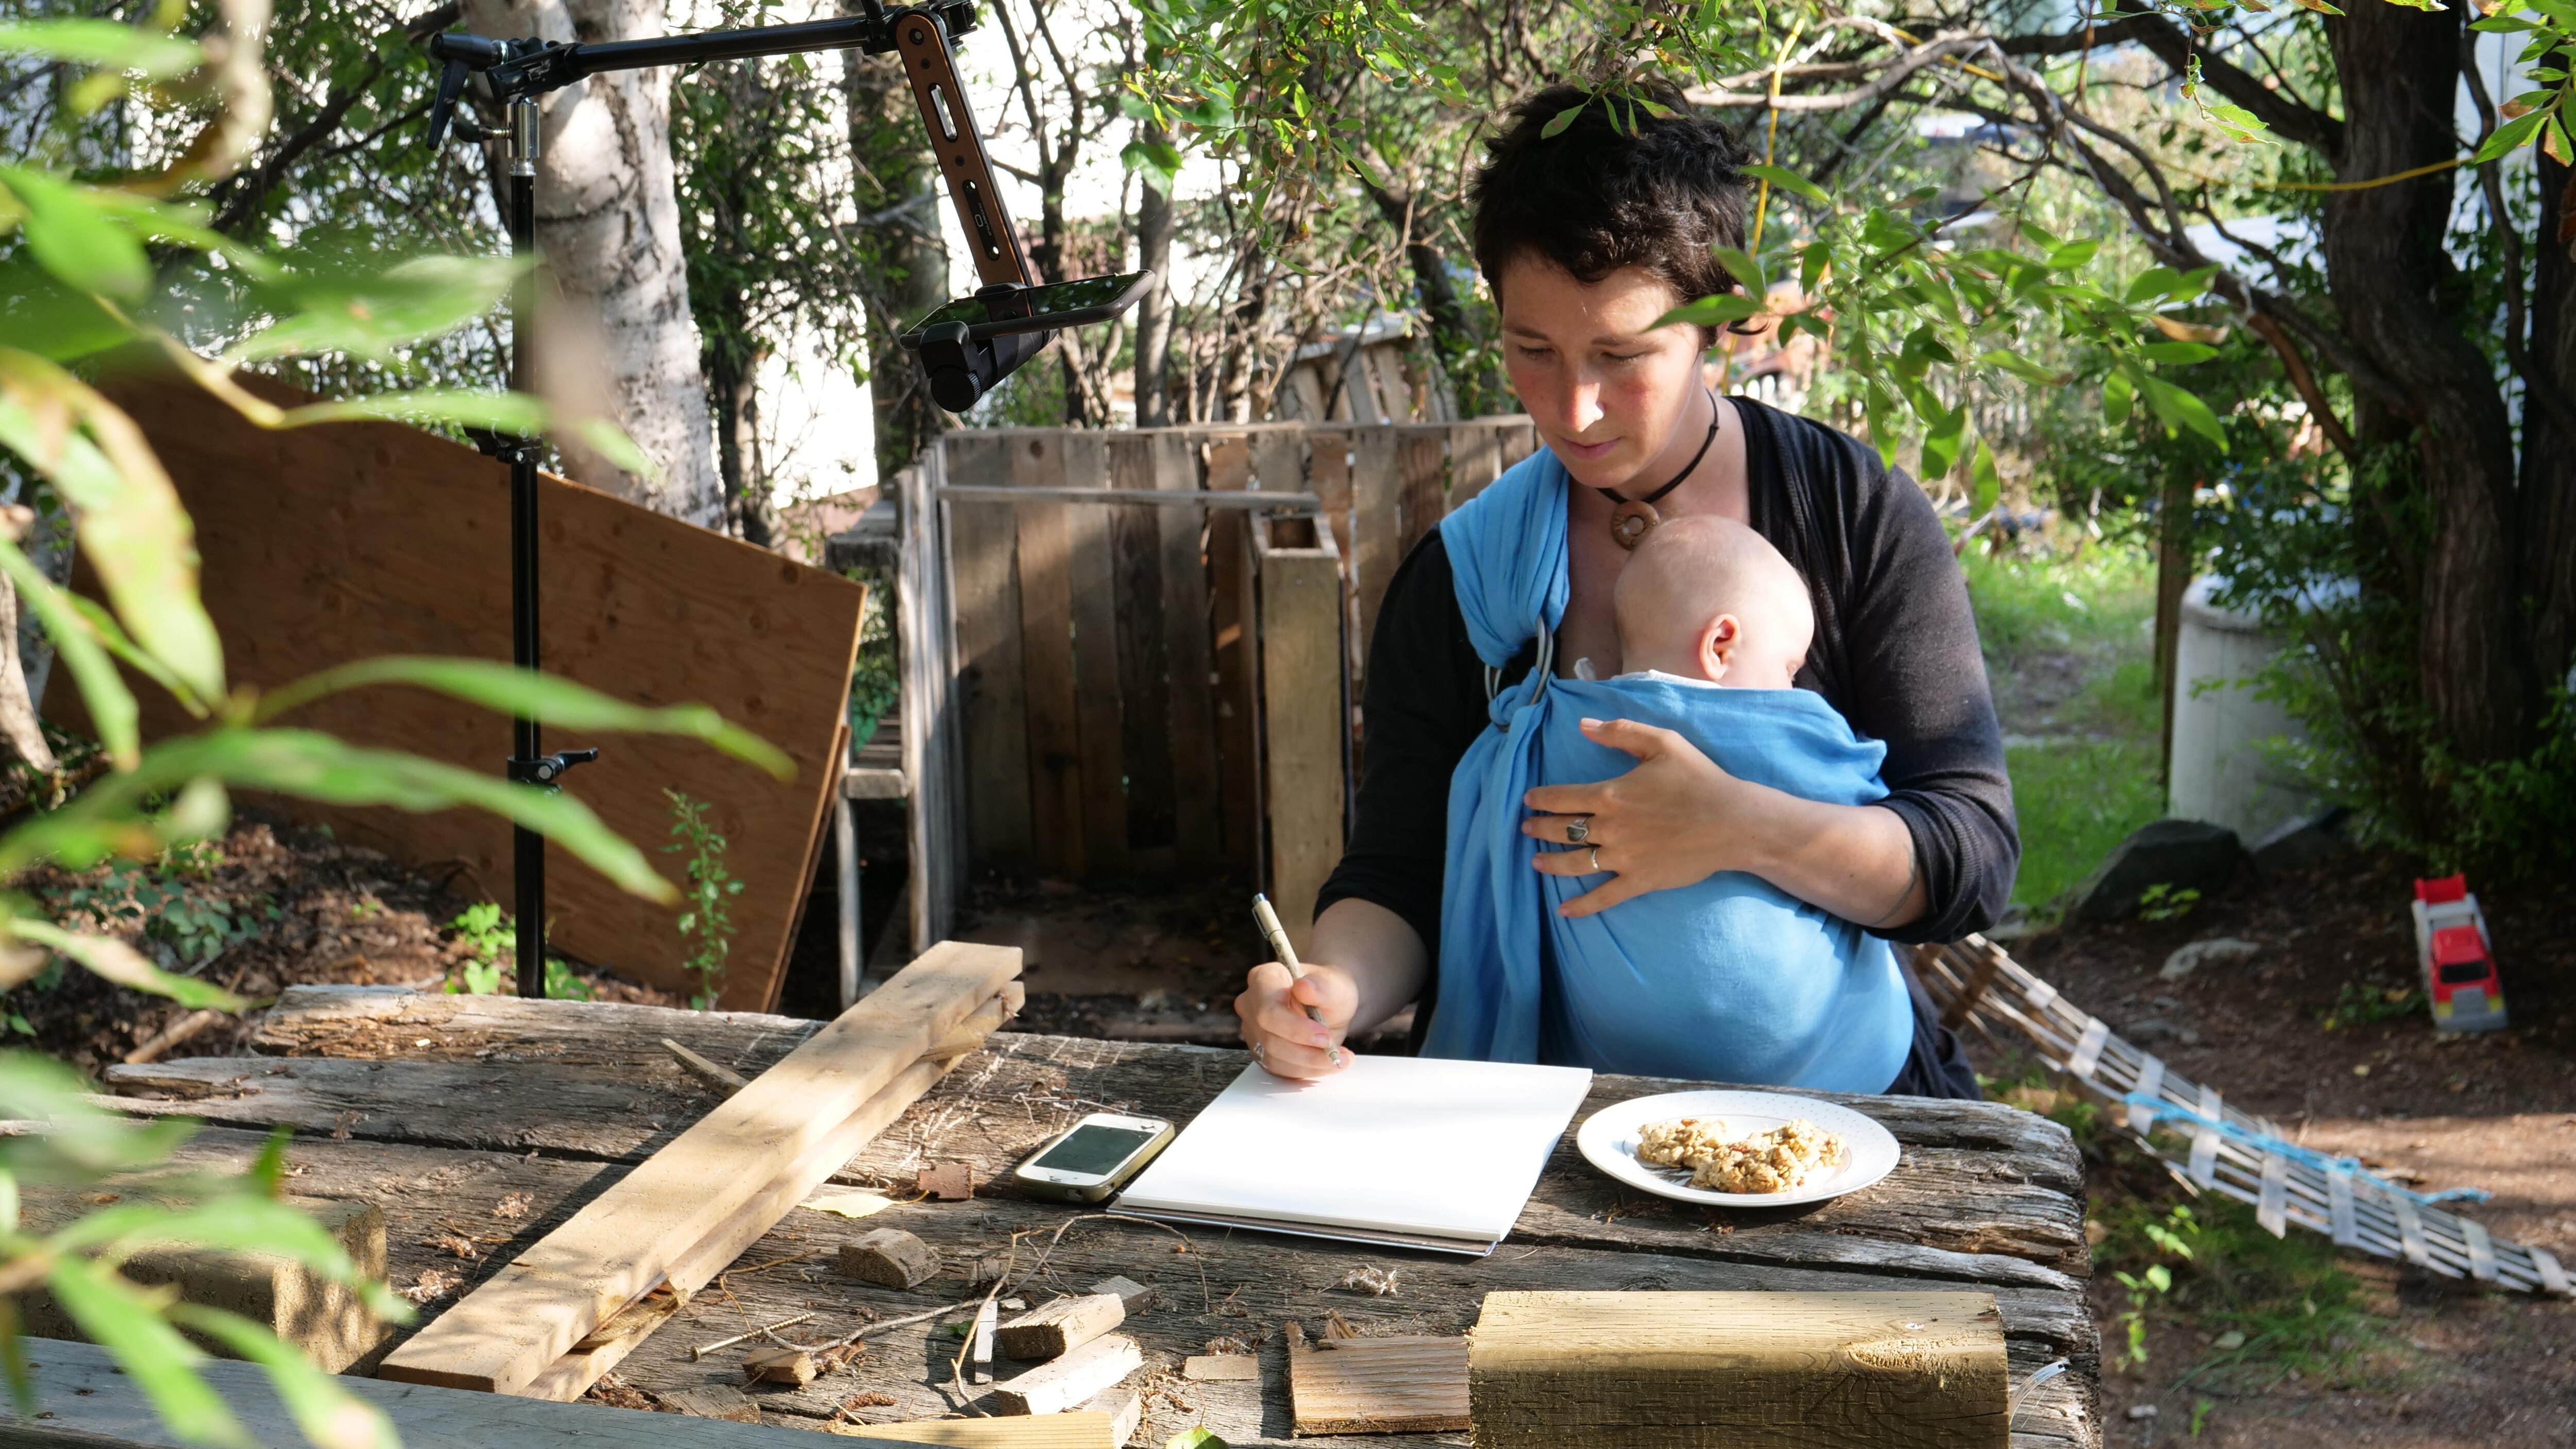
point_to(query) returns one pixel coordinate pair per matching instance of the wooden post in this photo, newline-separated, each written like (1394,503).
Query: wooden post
(934,738)
(1094,578)
(1304,717)
(1776,1370)
(1144,660)
(1376,524)
(1046,656)
(1198,831)
(1230,582)
(984,548)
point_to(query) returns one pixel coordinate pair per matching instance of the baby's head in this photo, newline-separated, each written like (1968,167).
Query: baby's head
(1707,598)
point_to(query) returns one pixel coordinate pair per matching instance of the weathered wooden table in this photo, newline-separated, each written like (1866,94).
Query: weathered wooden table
(441,1108)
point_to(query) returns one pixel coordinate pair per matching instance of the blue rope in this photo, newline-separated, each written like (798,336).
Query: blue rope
(2323,1162)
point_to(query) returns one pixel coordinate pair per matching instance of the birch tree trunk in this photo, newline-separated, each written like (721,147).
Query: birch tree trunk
(617,334)
(1154,227)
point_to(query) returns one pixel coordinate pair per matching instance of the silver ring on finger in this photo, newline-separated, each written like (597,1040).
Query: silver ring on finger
(1578,830)
(1260,1052)
(1596,860)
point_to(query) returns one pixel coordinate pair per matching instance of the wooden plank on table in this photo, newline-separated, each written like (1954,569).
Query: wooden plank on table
(625,1241)
(1423,461)
(88,1400)
(1376,525)
(1475,460)
(1144,650)
(983,542)
(1407,1384)
(1304,719)
(325,545)
(1745,1370)
(1046,656)
(1093,577)
(1231,619)
(1198,829)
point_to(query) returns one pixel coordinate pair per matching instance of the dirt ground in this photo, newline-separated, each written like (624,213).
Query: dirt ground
(2424,1362)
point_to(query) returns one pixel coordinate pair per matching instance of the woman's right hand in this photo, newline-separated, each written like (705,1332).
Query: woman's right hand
(1275,1025)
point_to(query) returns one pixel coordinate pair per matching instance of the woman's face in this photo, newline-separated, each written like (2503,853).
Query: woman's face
(1604,384)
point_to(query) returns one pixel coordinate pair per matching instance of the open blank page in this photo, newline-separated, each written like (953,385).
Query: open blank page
(1417,1145)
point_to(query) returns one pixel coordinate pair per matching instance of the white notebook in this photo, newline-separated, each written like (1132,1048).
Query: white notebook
(1416,1151)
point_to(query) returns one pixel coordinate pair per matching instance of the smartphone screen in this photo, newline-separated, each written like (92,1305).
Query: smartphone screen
(1093,1149)
(1086,299)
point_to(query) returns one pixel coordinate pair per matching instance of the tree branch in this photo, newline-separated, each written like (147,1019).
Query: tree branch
(2289,117)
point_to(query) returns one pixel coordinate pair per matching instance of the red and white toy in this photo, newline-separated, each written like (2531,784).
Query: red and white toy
(2458,957)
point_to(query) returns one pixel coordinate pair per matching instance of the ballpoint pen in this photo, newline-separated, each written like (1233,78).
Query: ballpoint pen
(1287,954)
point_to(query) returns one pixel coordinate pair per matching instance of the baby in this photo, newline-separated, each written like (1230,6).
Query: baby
(1751,984)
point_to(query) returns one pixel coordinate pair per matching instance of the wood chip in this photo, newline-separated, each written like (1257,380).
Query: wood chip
(1222,1368)
(1133,1296)
(779,1366)
(456,1243)
(512,1207)
(431,1286)
(715,1401)
(1053,1387)
(1059,1327)
(1125,1409)
(889,1258)
(1397,1385)
(948,1182)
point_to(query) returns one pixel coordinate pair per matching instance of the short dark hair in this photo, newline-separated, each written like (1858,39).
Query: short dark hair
(1617,187)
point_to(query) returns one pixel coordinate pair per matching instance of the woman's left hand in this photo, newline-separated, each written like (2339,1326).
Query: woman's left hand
(1661,825)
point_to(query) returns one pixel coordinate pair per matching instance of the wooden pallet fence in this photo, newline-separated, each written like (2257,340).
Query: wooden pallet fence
(1978,983)
(1091,700)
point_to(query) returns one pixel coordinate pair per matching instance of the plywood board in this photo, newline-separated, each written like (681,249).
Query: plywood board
(331,544)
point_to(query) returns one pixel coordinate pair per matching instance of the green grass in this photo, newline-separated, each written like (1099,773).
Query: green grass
(2095,779)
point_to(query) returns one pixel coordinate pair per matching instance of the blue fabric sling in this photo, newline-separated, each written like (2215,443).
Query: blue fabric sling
(1727,980)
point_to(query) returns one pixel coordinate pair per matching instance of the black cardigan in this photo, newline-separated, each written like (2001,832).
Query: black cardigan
(1895,653)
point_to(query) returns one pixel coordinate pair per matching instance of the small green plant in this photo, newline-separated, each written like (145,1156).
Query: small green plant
(161,904)
(2363,1002)
(2162,902)
(2143,1289)
(2199,1415)
(491,942)
(706,918)
(367,909)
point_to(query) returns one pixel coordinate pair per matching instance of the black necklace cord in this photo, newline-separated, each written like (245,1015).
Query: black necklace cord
(1687,468)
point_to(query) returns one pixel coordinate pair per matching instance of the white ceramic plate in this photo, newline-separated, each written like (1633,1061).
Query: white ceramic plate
(1610,1136)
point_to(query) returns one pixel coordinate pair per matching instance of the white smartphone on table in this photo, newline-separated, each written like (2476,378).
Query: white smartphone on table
(1093,1158)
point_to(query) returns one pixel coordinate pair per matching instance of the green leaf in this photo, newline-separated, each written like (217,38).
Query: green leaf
(1812,265)
(2152,283)
(609,441)
(2072,255)
(1157,162)
(2179,409)
(236,1221)
(105,44)
(2116,397)
(1201,1437)
(318,767)
(2020,366)
(373,314)
(72,237)
(114,1315)
(2177,352)
(1942,441)
(1557,123)
(107,957)
(1712,311)
(1783,177)
(1746,271)
(512,413)
(526,693)
(130,522)
(1989,483)
(112,707)
(330,1416)
(2508,137)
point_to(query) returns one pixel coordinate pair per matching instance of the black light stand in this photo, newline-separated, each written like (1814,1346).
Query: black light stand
(515,73)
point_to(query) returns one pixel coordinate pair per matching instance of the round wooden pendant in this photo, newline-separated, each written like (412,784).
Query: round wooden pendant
(1630,522)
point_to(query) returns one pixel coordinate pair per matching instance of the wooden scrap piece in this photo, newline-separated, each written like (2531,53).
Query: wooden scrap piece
(792,1366)
(1772,1370)
(1412,1384)
(1082,1429)
(948,1182)
(324,1319)
(1061,1326)
(981,1349)
(890,1258)
(628,1239)
(1221,1368)
(1060,1384)
(722,1078)
(1133,1296)
(1126,1411)
(714,1401)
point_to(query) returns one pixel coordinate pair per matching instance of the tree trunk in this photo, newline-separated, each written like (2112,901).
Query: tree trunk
(896,185)
(2402,302)
(2174,561)
(608,224)
(17,709)
(2547,524)
(733,384)
(1453,341)
(1154,228)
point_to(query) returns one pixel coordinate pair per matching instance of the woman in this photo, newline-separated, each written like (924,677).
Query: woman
(1587,238)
